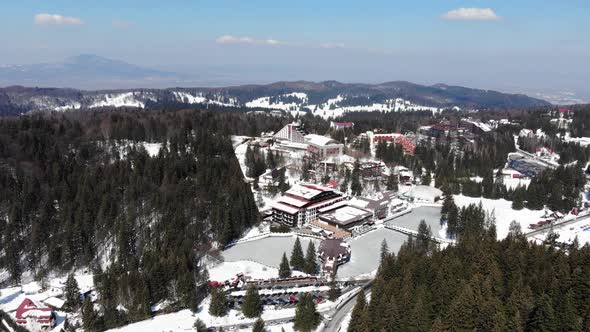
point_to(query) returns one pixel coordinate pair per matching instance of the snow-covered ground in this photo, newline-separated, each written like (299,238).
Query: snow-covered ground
(228,270)
(583,141)
(127,99)
(265,102)
(188,98)
(68,107)
(331,108)
(512,183)
(503,212)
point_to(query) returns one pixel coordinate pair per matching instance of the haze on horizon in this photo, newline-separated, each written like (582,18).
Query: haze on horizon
(538,48)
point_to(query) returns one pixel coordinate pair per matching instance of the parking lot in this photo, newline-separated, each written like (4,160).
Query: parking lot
(278,297)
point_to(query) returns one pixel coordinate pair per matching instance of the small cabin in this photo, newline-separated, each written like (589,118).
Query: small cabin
(32,311)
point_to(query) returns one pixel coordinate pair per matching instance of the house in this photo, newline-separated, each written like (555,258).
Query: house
(271,177)
(321,147)
(372,169)
(405,175)
(378,206)
(475,127)
(32,311)
(300,204)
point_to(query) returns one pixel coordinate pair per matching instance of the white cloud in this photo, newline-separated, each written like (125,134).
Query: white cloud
(56,19)
(471,14)
(229,39)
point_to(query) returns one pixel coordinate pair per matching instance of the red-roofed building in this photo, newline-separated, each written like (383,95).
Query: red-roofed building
(31,311)
(407,145)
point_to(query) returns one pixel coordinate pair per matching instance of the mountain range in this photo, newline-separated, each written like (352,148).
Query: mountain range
(326,99)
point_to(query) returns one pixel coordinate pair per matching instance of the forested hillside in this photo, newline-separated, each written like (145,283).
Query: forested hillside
(75,192)
(479,285)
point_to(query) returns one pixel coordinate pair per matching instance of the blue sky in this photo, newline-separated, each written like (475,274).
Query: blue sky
(469,42)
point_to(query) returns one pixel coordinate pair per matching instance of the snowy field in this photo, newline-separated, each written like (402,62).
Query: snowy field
(228,270)
(267,251)
(503,212)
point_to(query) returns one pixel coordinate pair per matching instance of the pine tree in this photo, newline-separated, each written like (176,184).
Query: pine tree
(427,178)
(284,268)
(259,326)
(423,240)
(199,326)
(358,319)
(515,228)
(355,186)
(487,184)
(384,250)
(392,182)
(568,317)
(542,318)
(311,265)
(306,316)
(297,258)
(334,291)
(518,199)
(252,306)
(72,293)
(218,305)
(89,316)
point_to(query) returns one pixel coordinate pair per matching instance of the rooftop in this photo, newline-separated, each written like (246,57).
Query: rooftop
(424,192)
(319,140)
(304,191)
(345,215)
(333,247)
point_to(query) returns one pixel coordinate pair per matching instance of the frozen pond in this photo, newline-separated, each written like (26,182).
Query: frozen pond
(366,251)
(267,251)
(411,220)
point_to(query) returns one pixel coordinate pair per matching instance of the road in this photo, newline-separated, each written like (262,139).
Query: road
(560,225)
(340,312)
